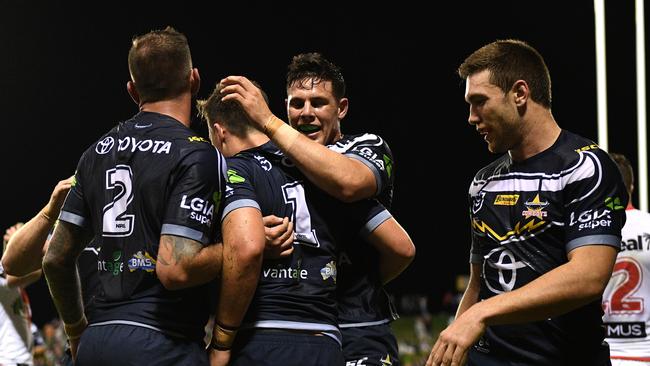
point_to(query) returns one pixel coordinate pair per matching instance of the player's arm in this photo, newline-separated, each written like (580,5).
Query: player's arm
(579,281)
(470,296)
(243,238)
(26,247)
(185,257)
(395,247)
(340,176)
(60,268)
(183,262)
(23,281)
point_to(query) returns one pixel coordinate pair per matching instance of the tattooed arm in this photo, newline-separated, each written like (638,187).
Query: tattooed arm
(60,268)
(184,262)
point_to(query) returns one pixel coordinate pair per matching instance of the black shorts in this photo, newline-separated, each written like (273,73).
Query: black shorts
(373,346)
(118,344)
(262,347)
(597,358)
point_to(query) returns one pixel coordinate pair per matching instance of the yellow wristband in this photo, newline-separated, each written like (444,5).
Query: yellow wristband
(74,331)
(223,337)
(271,126)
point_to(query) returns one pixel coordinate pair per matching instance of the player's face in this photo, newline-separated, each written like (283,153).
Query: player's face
(493,113)
(313,110)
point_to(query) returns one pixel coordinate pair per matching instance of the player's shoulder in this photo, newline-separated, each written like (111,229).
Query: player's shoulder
(104,144)
(240,161)
(260,157)
(354,141)
(572,149)
(494,169)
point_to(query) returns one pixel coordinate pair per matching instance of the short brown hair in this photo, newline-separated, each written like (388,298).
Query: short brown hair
(508,61)
(229,113)
(317,68)
(160,63)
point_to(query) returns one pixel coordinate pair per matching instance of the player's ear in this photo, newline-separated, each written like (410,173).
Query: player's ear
(521,92)
(133,92)
(221,132)
(343,108)
(195,81)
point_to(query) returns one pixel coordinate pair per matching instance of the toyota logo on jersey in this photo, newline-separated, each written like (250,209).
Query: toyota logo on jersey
(500,270)
(105,145)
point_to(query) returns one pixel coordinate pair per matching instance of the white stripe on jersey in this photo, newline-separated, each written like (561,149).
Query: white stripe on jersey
(587,166)
(222,167)
(340,147)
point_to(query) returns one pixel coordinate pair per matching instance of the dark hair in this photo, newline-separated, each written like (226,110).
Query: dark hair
(314,68)
(229,113)
(626,170)
(508,61)
(160,63)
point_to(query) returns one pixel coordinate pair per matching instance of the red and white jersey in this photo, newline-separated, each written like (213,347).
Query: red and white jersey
(15,334)
(626,300)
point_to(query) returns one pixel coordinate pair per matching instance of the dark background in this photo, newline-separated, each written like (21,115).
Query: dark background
(64,72)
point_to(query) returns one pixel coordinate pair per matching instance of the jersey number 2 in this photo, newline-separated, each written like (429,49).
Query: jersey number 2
(116,222)
(621,301)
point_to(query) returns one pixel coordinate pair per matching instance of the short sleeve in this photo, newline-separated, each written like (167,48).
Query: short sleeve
(595,201)
(196,197)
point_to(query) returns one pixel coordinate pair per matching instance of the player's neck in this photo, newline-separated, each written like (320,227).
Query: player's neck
(539,133)
(177,108)
(253,139)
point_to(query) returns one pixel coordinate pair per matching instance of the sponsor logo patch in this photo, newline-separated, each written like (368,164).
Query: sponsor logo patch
(506,200)
(143,262)
(535,208)
(329,271)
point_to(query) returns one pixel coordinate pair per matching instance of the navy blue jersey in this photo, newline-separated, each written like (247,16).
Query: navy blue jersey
(149,176)
(297,292)
(362,298)
(526,216)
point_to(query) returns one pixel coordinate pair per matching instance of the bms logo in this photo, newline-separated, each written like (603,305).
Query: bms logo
(502,261)
(143,262)
(329,271)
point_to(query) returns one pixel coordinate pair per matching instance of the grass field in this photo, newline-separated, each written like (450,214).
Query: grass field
(415,336)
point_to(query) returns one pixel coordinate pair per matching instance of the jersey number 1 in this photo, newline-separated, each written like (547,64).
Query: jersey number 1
(294,195)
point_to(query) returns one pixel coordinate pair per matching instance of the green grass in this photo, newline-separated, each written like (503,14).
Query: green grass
(416,335)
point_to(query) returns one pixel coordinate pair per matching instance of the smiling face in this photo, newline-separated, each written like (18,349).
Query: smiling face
(493,113)
(313,110)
